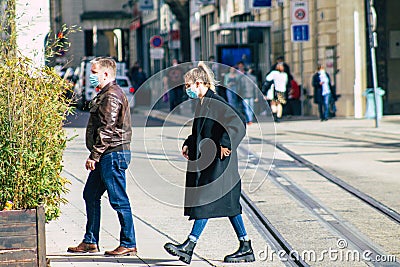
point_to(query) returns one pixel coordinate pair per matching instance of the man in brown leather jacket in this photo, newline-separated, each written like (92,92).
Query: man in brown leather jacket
(108,137)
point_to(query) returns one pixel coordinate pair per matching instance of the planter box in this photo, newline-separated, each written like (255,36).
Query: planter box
(22,238)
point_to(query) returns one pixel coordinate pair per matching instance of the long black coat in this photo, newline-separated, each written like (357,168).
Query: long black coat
(318,87)
(213,185)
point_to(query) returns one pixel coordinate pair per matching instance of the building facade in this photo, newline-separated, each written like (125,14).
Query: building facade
(104,28)
(338,39)
(197,29)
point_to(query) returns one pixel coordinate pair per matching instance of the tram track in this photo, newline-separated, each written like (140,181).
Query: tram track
(269,232)
(332,221)
(387,211)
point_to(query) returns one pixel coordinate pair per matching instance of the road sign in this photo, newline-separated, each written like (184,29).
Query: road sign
(156,41)
(299,11)
(300,33)
(299,20)
(261,3)
(156,53)
(146,4)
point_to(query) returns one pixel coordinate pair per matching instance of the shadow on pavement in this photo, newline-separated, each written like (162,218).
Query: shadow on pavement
(127,259)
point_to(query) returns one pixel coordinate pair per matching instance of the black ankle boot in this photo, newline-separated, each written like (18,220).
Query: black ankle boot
(243,254)
(183,251)
(275,117)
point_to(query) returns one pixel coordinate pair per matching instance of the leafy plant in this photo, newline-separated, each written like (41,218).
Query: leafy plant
(32,111)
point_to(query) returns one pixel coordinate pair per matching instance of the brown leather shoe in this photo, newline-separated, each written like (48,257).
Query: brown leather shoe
(83,248)
(122,251)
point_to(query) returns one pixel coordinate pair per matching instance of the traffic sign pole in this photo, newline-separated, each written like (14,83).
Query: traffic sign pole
(300,33)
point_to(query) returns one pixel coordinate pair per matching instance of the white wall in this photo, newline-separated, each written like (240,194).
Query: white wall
(33,24)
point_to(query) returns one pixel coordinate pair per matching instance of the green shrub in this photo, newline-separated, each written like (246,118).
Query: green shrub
(32,139)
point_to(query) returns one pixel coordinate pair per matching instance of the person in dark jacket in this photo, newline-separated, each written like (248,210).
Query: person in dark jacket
(108,137)
(173,81)
(212,179)
(321,82)
(139,77)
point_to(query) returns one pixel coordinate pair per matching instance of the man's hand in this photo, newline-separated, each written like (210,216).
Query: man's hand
(185,151)
(225,152)
(90,164)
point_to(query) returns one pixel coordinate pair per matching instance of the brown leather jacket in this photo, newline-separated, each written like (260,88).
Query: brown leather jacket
(109,127)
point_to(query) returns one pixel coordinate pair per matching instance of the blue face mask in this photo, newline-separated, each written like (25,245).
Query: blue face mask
(94,80)
(192,94)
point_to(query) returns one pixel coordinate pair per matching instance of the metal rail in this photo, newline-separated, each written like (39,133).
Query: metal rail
(315,207)
(392,214)
(270,233)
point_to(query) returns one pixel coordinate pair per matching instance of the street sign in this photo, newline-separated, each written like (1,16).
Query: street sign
(299,11)
(261,3)
(299,20)
(174,39)
(135,24)
(156,41)
(300,33)
(146,4)
(156,53)
(204,2)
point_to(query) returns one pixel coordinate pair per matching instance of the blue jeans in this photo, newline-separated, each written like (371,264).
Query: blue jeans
(248,104)
(109,175)
(236,221)
(231,97)
(323,107)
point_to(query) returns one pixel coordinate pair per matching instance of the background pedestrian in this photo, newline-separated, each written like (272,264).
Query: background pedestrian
(247,88)
(230,82)
(280,80)
(322,92)
(173,84)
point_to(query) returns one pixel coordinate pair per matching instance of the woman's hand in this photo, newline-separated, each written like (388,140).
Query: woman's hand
(225,152)
(185,152)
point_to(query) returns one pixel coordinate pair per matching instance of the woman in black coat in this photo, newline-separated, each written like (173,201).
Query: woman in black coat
(212,180)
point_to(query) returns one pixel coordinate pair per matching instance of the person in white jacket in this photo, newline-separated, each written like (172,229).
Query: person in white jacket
(280,80)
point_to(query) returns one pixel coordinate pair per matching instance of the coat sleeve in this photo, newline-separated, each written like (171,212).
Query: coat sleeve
(189,142)
(315,80)
(270,76)
(316,86)
(234,128)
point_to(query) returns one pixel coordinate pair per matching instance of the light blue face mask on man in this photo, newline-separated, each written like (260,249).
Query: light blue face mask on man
(192,94)
(94,80)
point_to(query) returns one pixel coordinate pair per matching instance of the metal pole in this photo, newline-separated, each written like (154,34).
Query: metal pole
(280,3)
(301,77)
(371,15)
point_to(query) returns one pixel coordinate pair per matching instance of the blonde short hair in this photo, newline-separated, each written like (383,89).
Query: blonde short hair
(107,63)
(201,72)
